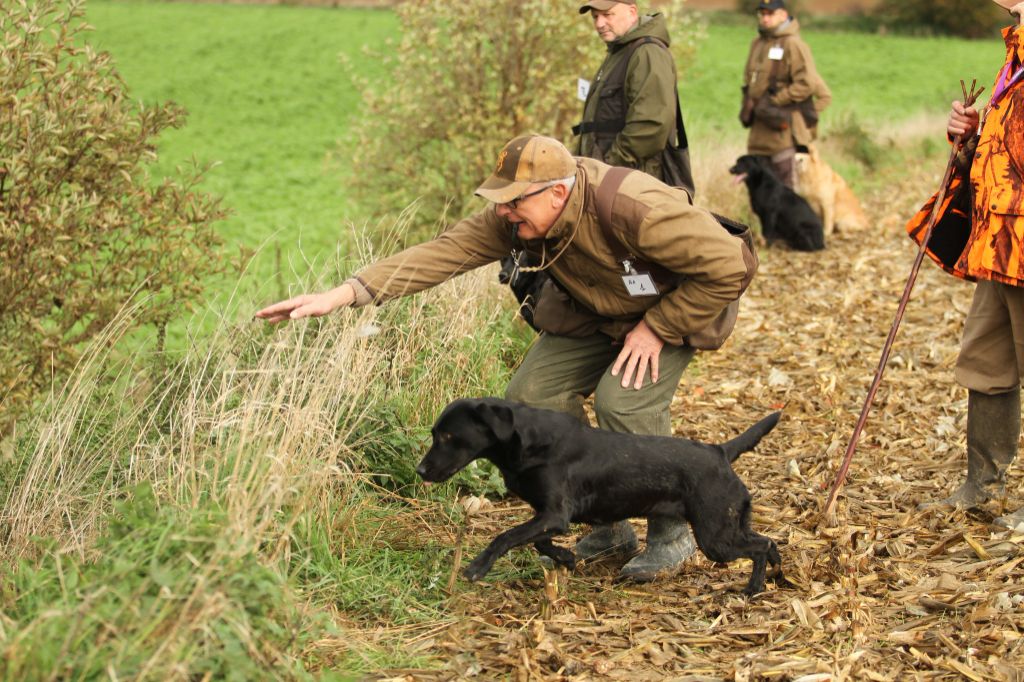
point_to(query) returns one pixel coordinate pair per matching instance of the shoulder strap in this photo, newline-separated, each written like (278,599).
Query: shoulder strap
(604,199)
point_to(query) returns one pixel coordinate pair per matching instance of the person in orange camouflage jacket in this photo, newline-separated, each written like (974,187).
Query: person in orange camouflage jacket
(991,360)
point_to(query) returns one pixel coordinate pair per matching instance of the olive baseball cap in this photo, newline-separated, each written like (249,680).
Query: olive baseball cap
(602,5)
(523,161)
(770,4)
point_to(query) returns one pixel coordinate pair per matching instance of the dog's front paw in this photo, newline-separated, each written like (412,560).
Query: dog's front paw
(751,590)
(476,570)
(781,581)
(566,559)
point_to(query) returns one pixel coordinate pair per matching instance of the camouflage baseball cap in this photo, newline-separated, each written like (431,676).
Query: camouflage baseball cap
(602,5)
(523,161)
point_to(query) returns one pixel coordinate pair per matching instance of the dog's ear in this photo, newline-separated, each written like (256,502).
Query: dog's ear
(499,418)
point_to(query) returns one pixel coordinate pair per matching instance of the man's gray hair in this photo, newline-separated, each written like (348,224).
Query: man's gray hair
(569,182)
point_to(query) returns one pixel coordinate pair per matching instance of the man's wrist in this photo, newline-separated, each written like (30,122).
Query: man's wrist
(360,294)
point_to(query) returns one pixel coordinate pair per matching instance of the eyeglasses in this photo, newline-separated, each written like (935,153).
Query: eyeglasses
(514,203)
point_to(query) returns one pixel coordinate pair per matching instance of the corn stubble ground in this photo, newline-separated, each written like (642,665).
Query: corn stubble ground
(883,593)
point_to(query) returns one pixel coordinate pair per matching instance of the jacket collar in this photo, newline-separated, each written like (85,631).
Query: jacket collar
(787,28)
(653,25)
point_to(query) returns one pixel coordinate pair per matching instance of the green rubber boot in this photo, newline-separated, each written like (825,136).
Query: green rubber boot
(616,540)
(993,433)
(669,544)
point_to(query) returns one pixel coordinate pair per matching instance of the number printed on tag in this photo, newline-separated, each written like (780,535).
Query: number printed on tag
(582,89)
(640,284)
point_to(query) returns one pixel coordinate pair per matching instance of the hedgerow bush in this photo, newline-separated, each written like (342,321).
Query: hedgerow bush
(966,18)
(84,229)
(466,77)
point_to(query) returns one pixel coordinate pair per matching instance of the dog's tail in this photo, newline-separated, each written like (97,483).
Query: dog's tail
(749,439)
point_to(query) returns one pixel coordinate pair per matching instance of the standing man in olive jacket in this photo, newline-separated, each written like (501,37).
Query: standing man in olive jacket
(783,93)
(608,331)
(629,114)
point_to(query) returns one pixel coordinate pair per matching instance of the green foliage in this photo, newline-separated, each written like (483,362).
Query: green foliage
(168,589)
(223,497)
(83,230)
(966,18)
(395,432)
(467,77)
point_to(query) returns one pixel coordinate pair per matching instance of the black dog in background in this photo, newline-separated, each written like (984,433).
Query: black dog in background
(569,472)
(784,214)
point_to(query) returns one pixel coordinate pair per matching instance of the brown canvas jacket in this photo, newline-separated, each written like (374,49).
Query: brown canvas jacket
(658,224)
(797,79)
(993,234)
(650,85)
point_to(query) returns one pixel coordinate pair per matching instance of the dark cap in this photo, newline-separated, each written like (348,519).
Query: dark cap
(523,161)
(770,5)
(602,5)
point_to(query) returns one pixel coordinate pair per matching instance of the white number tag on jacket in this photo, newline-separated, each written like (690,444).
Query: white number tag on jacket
(775,53)
(640,284)
(582,88)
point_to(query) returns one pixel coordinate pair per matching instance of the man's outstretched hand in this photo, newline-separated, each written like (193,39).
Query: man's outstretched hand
(309,305)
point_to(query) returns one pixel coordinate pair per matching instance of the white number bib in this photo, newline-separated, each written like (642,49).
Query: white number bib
(640,284)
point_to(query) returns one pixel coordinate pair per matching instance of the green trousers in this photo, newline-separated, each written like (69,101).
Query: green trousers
(559,373)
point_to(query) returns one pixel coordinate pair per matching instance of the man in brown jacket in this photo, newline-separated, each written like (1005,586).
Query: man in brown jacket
(609,331)
(629,111)
(780,76)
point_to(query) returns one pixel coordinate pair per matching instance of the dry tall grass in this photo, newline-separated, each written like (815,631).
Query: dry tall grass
(254,422)
(263,427)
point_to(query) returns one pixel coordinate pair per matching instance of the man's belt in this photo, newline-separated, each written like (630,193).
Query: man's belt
(598,127)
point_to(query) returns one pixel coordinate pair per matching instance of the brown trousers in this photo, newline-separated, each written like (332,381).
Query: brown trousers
(560,372)
(992,351)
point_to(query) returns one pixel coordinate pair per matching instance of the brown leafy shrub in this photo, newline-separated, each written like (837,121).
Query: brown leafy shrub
(83,227)
(465,78)
(966,18)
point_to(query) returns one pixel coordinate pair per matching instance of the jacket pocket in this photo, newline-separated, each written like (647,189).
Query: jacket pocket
(1003,200)
(556,312)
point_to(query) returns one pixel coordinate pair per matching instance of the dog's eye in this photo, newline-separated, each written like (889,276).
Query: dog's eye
(444,437)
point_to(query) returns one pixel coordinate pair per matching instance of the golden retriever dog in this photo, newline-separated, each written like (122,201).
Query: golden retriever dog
(828,194)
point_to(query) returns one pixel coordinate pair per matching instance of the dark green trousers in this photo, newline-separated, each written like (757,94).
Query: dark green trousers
(559,373)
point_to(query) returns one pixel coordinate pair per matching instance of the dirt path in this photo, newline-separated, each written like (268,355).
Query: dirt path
(887,594)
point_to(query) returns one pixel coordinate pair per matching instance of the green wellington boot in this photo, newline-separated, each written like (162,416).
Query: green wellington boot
(615,540)
(993,433)
(669,544)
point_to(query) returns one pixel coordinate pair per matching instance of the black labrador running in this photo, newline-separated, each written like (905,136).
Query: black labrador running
(784,214)
(569,472)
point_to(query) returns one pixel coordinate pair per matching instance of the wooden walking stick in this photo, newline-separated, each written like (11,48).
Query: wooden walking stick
(827,514)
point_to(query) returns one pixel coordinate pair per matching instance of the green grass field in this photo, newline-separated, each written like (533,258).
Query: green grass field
(270,101)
